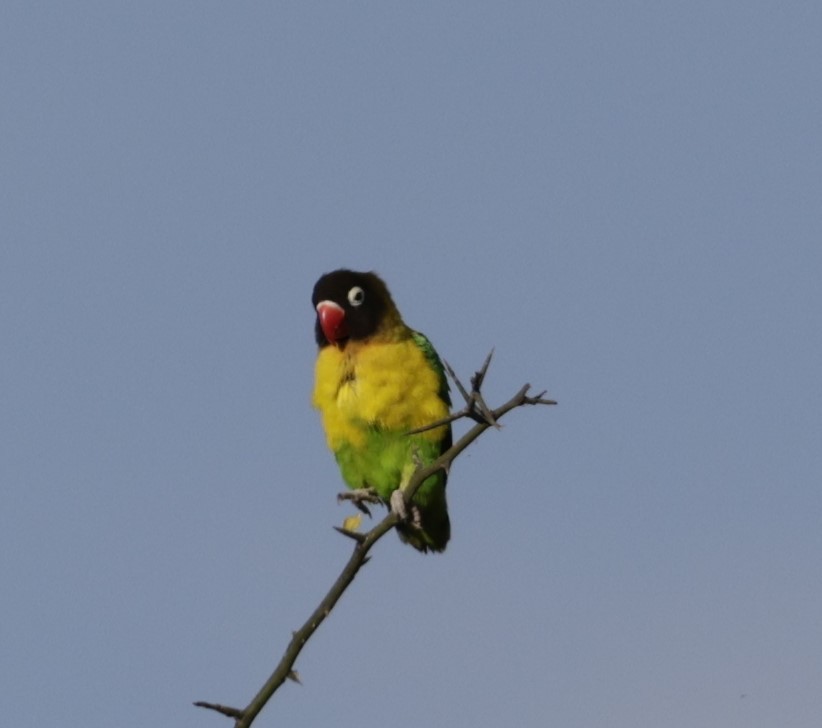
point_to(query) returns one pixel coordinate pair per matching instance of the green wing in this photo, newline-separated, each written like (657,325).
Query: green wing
(433,359)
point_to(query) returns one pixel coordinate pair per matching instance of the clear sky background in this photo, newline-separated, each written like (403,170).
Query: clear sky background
(625,199)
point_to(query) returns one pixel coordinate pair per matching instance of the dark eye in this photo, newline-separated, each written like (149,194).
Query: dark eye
(356,296)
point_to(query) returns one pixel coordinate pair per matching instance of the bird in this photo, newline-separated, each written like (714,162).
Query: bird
(377,380)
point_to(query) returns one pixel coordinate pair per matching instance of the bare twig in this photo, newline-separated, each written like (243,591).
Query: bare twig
(485,418)
(439,423)
(475,406)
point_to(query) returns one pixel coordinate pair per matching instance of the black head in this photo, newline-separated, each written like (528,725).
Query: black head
(350,305)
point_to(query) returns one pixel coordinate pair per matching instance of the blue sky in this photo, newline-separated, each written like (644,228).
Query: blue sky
(623,199)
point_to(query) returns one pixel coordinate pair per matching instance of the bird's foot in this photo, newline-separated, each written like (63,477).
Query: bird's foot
(398,504)
(408,513)
(359,497)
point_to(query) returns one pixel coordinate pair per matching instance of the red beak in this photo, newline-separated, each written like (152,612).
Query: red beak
(332,321)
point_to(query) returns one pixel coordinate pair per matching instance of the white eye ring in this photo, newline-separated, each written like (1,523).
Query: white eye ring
(356,296)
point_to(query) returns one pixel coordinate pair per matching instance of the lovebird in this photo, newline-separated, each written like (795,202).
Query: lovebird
(376,379)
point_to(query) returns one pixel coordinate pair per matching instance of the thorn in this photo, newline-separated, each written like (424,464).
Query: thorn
(457,382)
(225,710)
(539,398)
(479,377)
(295,676)
(358,537)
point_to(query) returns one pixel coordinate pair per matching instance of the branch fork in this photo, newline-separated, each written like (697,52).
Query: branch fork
(484,418)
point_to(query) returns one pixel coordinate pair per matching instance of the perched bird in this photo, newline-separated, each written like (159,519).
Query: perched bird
(376,379)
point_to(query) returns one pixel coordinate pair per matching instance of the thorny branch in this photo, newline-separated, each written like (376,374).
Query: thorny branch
(475,409)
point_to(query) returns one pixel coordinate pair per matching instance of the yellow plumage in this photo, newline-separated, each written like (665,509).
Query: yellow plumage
(390,386)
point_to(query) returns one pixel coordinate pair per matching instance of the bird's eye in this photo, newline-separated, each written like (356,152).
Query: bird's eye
(356,296)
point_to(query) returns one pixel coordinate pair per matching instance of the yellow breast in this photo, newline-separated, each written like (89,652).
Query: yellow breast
(387,386)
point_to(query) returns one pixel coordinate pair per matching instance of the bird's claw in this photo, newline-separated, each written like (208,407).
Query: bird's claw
(359,497)
(408,513)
